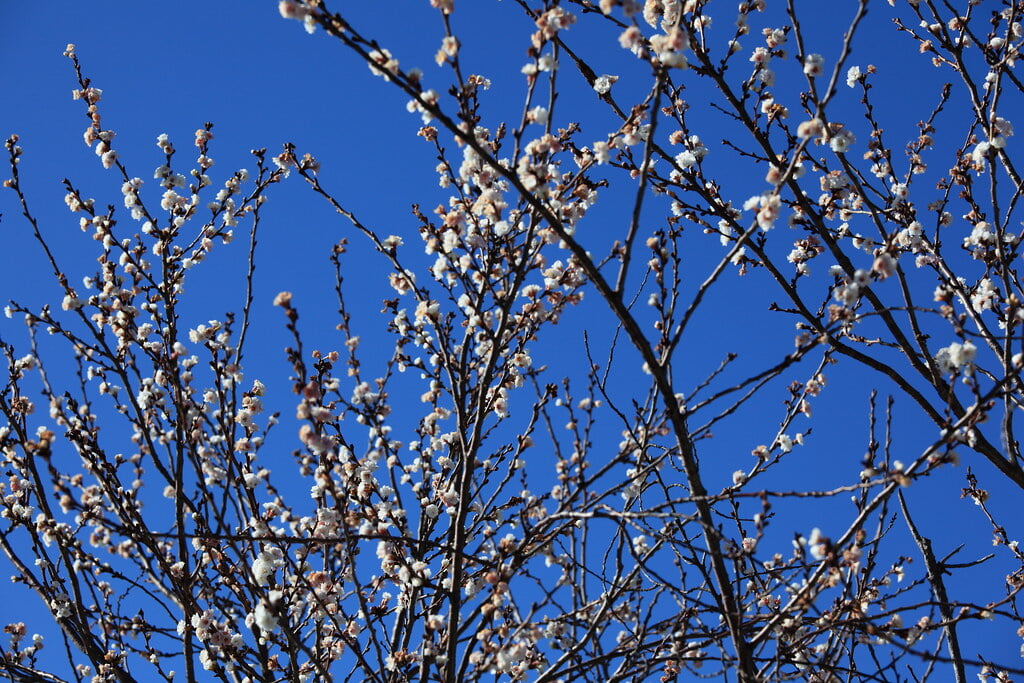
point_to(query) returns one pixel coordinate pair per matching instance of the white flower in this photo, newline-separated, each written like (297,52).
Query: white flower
(686,160)
(290,9)
(263,566)
(383,63)
(984,296)
(264,617)
(979,153)
(818,544)
(852,76)
(71,303)
(604,83)
(955,356)
(538,115)
(847,294)
(841,141)
(810,129)
(768,207)
(761,55)
(814,65)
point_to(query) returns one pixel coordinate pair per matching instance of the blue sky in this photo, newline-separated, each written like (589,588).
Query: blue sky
(263,81)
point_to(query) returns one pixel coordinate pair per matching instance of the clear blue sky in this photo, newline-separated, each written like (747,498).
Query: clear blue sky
(170,67)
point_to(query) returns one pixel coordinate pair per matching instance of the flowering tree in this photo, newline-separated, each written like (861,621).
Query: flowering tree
(475,502)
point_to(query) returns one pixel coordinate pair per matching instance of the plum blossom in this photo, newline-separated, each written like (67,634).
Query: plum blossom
(603,83)
(985,295)
(956,356)
(686,160)
(847,294)
(264,615)
(551,22)
(108,158)
(841,140)
(810,129)
(911,236)
(427,99)
(900,191)
(538,115)
(632,39)
(814,65)
(1001,129)
(853,75)
(774,38)
(669,47)
(292,9)
(884,265)
(979,154)
(768,208)
(383,64)
(819,544)
(761,56)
